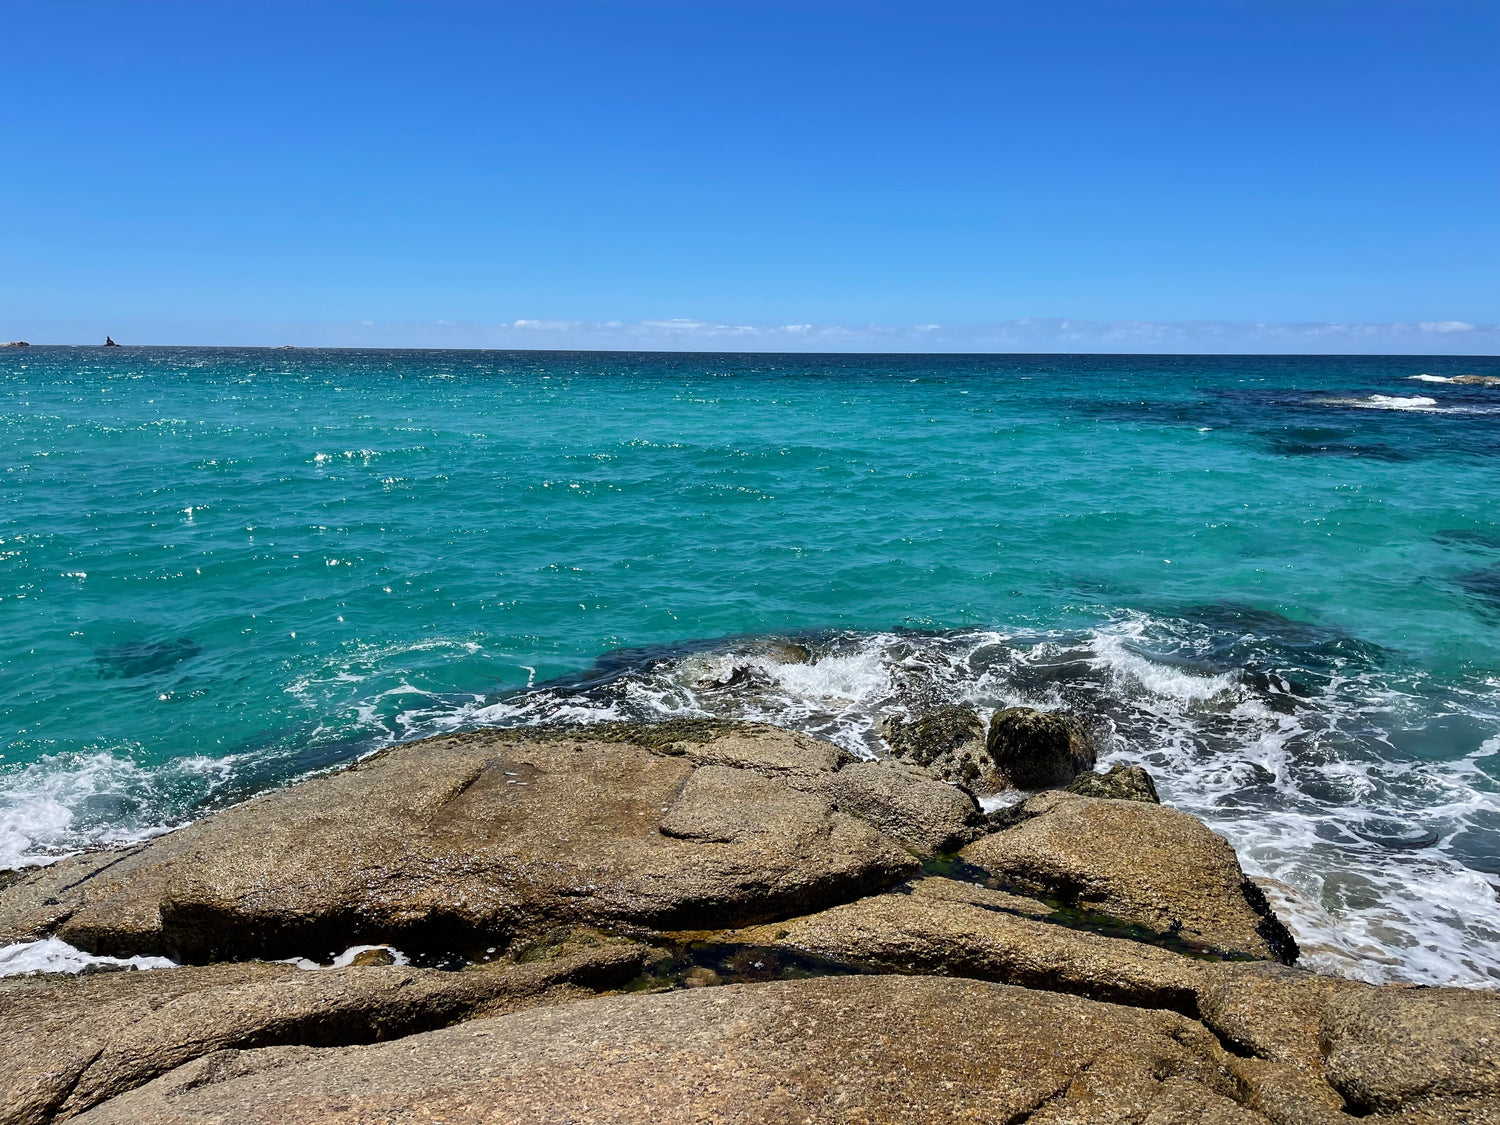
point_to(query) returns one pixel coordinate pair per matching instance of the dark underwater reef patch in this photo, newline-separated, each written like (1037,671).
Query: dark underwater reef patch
(1468,537)
(1483,585)
(141,658)
(1315,443)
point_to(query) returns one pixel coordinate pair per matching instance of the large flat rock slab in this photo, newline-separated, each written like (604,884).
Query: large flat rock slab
(850,1049)
(67,1043)
(484,836)
(1145,864)
(936,928)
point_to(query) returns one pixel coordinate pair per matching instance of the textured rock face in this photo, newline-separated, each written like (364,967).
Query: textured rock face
(1121,783)
(1142,863)
(853,1049)
(909,804)
(105,902)
(948,928)
(1269,1010)
(1414,1049)
(71,1042)
(505,835)
(491,834)
(1038,749)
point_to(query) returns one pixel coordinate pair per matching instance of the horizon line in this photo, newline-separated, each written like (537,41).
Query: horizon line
(20,345)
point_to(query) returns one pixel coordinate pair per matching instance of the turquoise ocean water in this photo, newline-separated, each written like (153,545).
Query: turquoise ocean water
(1274,581)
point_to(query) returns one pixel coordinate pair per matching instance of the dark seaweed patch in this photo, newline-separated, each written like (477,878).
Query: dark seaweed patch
(1292,446)
(1271,929)
(703,963)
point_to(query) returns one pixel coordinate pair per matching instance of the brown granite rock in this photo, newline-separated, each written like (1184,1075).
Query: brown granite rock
(490,834)
(852,1049)
(933,930)
(67,1043)
(1269,1010)
(1414,1049)
(908,803)
(1152,866)
(105,902)
(1286,1094)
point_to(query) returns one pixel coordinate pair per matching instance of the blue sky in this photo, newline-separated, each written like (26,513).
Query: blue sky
(1313,175)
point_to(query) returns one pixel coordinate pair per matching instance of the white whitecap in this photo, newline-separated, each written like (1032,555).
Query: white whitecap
(1398,402)
(346,958)
(53,955)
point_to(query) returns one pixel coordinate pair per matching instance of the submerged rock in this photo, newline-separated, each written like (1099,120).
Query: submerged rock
(850,1049)
(377,956)
(784,652)
(1153,866)
(1121,783)
(1477,380)
(1038,749)
(139,658)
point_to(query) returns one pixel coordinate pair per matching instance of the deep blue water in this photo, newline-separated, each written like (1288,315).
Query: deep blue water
(1275,581)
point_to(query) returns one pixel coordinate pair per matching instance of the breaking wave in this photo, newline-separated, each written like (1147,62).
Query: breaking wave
(1361,793)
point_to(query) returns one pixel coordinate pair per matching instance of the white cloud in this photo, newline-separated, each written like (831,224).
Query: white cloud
(1024,334)
(1028,334)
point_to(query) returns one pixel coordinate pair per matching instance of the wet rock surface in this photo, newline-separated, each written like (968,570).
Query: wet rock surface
(106,902)
(1038,749)
(1121,783)
(949,740)
(704,921)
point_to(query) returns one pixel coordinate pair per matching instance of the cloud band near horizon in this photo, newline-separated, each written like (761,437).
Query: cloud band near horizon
(1030,334)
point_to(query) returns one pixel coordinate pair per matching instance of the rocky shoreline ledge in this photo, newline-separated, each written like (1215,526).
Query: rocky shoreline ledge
(704,921)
